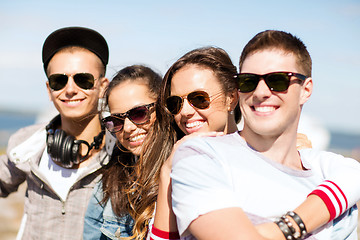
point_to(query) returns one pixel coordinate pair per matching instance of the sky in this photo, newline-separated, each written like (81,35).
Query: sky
(157,33)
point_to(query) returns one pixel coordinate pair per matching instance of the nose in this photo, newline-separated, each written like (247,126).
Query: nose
(262,91)
(187,109)
(71,88)
(129,126)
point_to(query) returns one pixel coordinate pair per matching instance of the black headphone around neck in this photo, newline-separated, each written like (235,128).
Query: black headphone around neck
(63,148)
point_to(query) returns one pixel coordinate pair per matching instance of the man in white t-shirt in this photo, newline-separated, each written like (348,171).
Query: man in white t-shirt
(60,161)
(259,171)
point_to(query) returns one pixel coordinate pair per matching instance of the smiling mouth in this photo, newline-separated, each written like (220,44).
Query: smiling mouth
(72,102)
(194,124)
(137,137)
(265,109)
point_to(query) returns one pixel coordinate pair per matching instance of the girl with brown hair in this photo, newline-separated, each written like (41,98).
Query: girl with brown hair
(130,97)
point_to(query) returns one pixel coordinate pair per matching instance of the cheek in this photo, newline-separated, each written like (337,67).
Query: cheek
(216,108)
(177,119)
(94,94)
(119,137)
(217,119)
(147,126)
(242,101)
(54,94)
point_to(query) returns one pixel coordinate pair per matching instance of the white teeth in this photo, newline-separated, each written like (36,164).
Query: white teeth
(137,137)
(73,102)
(194,124)
(264,109)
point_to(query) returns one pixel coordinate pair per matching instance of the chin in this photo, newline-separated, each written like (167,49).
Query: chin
(267,131)
(77,114)
(136,151)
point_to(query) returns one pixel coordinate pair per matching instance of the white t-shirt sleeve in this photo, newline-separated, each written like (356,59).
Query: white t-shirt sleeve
(341,189)
(201,182)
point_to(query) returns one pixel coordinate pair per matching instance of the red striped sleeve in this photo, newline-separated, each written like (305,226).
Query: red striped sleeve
(333,197)
(157,234)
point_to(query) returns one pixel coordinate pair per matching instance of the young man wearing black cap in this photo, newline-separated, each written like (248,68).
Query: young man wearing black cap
(60,161)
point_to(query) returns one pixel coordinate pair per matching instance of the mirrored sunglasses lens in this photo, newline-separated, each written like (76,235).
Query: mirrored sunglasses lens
(84,80)
(199,100)
(173,104)
(248,82)
(139,115)
(57,81)
(278,82)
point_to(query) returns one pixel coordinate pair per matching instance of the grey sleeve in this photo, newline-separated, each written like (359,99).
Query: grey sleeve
(10,176)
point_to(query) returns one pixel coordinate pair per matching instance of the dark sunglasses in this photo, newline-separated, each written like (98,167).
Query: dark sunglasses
(138,115)
(58,81)
(197,99)
(276,81)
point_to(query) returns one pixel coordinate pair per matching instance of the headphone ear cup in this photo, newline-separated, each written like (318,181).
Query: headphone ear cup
(55,149)
(74,153)
(66,152)
(49,140)
(50,131)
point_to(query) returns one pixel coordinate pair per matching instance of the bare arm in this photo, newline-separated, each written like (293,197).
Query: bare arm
(164,216)
(306,211)
(165,219)
(229,223)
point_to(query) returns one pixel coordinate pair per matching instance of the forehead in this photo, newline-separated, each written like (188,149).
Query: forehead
(270,60)
(128,95)
(193,77)
(74,60)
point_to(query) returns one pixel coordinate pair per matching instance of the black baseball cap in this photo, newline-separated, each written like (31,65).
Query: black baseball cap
(75,36)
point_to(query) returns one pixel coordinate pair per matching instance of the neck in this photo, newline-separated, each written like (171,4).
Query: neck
(231,126)
(279,148)
(85,129)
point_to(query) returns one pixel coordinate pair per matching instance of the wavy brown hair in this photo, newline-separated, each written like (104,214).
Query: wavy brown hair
(164,132)
(118,175)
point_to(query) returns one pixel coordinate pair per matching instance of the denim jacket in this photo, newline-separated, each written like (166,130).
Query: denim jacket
(101,222)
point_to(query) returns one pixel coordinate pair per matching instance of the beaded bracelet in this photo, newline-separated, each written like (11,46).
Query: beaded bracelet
(284,229)
(300,223)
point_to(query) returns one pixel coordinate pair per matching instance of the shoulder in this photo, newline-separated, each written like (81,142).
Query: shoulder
(23,134)
(217,148)
(325,160)
(218,142)
(319,155)
(98,191)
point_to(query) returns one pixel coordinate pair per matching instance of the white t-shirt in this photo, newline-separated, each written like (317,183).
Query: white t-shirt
(216,173)
(60,179)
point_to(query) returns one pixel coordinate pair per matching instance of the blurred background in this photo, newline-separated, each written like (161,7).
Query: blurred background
(157,33)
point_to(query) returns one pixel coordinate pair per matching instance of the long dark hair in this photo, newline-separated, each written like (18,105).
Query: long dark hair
(118,175)
(164,132)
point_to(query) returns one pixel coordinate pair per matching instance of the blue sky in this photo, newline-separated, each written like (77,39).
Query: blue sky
(157,33)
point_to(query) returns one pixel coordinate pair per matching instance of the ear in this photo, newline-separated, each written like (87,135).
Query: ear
(232,100)
(306,90)
(104,82)
(48,90)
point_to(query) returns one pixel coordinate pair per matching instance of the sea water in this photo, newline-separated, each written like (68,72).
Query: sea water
(11,121)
